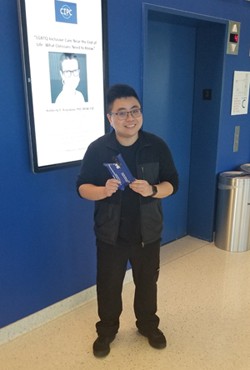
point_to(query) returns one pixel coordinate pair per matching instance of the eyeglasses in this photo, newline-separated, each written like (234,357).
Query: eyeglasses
(123,114)
(75,73)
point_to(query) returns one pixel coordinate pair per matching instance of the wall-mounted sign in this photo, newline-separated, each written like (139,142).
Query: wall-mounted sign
(240,96)
(63,58)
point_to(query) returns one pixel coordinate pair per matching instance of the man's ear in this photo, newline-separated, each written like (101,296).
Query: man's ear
(61,74)
(110,119)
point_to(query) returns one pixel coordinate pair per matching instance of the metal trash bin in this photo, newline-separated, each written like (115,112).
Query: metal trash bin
(232,230)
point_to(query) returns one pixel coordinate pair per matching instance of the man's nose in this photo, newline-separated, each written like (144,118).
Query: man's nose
(129,116)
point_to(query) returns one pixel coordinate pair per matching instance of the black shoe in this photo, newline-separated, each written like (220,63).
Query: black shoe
(156,338)
(101,346)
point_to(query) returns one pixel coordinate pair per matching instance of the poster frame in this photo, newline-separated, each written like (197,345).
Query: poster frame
(28,83)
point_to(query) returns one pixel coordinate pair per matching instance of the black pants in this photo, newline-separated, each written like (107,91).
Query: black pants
(111,268)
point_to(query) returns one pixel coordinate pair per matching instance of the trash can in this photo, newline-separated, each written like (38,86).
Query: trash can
(232,230)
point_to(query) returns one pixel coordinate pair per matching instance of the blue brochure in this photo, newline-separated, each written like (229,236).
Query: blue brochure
(120,171)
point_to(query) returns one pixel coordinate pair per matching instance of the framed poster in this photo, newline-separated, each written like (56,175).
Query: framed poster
(64,63)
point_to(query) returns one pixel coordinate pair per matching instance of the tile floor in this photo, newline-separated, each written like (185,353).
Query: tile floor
(204,305)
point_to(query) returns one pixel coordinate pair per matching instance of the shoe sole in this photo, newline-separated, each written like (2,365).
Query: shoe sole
(100,354)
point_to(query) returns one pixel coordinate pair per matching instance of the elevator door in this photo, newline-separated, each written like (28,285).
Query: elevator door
(177,73)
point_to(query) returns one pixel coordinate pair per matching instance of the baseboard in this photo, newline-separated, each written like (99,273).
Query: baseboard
(50,313)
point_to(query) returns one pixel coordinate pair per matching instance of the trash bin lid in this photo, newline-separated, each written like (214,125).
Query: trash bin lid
(233,174)
(232,179)
(245,167)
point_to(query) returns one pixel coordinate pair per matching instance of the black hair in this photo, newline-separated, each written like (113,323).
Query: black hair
(119,91)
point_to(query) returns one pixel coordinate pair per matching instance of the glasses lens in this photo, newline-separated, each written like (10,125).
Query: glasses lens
(66,74)
(122,115)
(135,113)
(76,72)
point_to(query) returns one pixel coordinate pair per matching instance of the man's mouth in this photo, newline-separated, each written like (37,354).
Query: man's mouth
(130,126)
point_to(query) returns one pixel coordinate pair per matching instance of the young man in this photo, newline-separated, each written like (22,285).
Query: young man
(128,223)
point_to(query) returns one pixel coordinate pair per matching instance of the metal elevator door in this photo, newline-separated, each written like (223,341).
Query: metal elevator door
(173,84)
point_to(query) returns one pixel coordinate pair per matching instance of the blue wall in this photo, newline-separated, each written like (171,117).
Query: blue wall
(47,248)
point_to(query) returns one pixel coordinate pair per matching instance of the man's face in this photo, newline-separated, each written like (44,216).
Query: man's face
(126,127)
(70,74)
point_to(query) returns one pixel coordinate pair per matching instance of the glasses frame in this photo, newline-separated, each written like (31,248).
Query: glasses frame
(69,74)
(123,114)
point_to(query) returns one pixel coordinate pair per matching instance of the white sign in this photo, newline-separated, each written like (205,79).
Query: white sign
(240,96)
